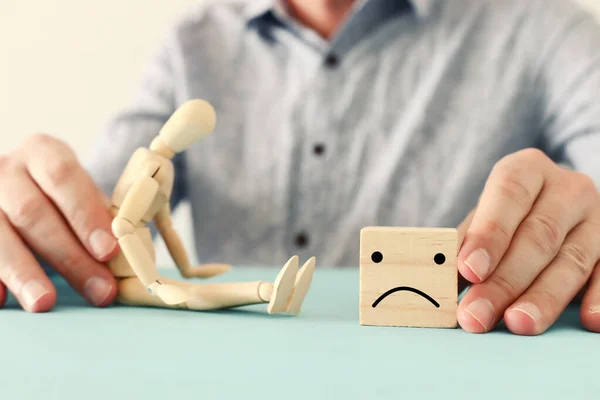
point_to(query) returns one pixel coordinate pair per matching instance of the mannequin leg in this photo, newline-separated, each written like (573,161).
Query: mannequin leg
(286,294)
(202,296)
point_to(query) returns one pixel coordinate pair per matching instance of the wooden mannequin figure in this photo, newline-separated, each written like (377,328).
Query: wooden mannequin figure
(142,195)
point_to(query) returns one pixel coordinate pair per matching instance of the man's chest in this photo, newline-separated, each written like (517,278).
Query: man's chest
(401,131)
(410,103)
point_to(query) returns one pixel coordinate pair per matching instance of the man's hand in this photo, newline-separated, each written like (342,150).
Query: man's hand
(530,246)
(50,207)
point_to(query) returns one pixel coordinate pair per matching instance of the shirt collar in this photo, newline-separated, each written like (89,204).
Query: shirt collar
(258,8)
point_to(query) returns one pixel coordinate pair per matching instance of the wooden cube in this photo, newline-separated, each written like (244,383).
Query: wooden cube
(408,277)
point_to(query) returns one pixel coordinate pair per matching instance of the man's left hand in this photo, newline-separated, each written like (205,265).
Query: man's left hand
(530,246)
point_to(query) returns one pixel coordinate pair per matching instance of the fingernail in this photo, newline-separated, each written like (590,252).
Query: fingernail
(97,290)
(529,309)
(595,310)
(479,263)
(102,243)
(31,292)
(483,311)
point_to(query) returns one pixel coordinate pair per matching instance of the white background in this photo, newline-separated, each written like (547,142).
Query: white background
(67,65)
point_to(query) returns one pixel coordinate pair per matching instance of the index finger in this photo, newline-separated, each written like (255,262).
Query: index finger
(509,195)
(56,170)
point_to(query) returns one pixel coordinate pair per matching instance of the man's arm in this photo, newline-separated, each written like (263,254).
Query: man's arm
(569,88)
(532,243)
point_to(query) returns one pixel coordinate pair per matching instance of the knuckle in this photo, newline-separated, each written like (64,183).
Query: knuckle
(4,159)
(13,275)
(544,232)
(61,171)
(80,219)
(497,231)
(25,213)
(584,185)
(577,259)
(533,156)
(73,260)
(5,163)
(16,274)
(10,276)
(509,164)
(40,138)
(550,300)
(506,286)
(515,191)
(45,142)
(37,140)
(523,158)
(5,223)
(594,222)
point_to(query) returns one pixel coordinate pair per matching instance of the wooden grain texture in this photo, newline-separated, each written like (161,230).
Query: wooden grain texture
(396,257)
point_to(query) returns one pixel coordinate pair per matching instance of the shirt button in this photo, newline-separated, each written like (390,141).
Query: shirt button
(331,60)
(301,240)
(319,149)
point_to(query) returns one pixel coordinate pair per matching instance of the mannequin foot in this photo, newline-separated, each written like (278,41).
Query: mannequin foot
(303,281)
(283,286)
(291,287)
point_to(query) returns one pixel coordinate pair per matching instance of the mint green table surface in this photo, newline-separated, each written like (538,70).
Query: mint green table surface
(79,352)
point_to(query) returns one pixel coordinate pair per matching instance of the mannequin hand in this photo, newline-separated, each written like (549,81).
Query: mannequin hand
(206,270)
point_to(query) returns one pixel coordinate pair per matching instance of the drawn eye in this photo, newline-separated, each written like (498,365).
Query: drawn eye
(377,257)
(439,258)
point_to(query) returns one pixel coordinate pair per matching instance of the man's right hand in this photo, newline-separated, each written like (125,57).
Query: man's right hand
(51,208)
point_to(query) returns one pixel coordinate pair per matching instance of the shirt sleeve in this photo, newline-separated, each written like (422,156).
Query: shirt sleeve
(570,87)
(136,125)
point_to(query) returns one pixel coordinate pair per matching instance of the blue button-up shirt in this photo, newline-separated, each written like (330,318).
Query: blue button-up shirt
(397,120)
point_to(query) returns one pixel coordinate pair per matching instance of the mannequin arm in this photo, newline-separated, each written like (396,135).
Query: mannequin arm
(164,223)
(138,200)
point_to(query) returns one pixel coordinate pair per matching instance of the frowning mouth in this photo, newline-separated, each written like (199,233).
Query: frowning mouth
(409,289)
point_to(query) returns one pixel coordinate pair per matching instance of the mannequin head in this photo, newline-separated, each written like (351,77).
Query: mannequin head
(189,123)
